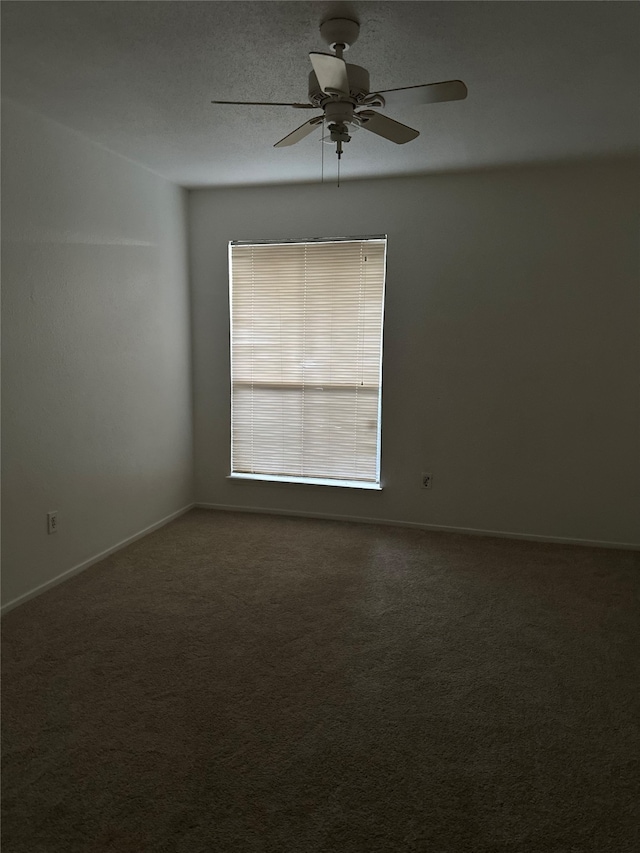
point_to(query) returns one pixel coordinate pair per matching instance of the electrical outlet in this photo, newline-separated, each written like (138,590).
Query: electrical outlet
(427,480)
(52,521)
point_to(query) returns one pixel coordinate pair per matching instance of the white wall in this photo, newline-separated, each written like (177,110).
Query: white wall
(96,350)
(511,345)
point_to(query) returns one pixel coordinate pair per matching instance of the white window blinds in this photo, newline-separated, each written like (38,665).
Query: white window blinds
(306,360)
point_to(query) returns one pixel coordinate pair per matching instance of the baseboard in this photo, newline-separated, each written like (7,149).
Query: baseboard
(470,531)
(91,561)
(532,537)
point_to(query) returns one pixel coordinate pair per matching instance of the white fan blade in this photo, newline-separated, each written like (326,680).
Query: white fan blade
(387,127)
(429,93)
(300,132)
(331,73)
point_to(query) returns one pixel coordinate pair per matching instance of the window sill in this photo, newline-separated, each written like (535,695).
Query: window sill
(306,481)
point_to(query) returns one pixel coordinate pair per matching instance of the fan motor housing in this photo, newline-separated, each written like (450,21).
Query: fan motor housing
(358,85)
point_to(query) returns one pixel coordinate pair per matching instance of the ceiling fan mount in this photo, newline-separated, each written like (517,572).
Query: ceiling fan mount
(339,33)
(342,91)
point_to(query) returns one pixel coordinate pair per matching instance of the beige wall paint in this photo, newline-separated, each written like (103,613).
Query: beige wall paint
(96,350)
(511,362)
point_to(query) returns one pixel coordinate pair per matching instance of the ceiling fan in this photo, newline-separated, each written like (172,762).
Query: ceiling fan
(341,91)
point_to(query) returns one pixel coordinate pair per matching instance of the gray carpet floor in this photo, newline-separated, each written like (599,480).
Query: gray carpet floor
(251,683)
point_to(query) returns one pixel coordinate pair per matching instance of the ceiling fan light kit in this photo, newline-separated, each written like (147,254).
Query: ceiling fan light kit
(342,91)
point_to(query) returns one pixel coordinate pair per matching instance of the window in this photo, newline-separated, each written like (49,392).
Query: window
(306,360)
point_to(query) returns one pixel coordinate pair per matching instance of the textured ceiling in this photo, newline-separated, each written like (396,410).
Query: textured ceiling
(547,81)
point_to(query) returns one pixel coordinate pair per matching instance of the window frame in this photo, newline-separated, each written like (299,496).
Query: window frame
(366,485)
